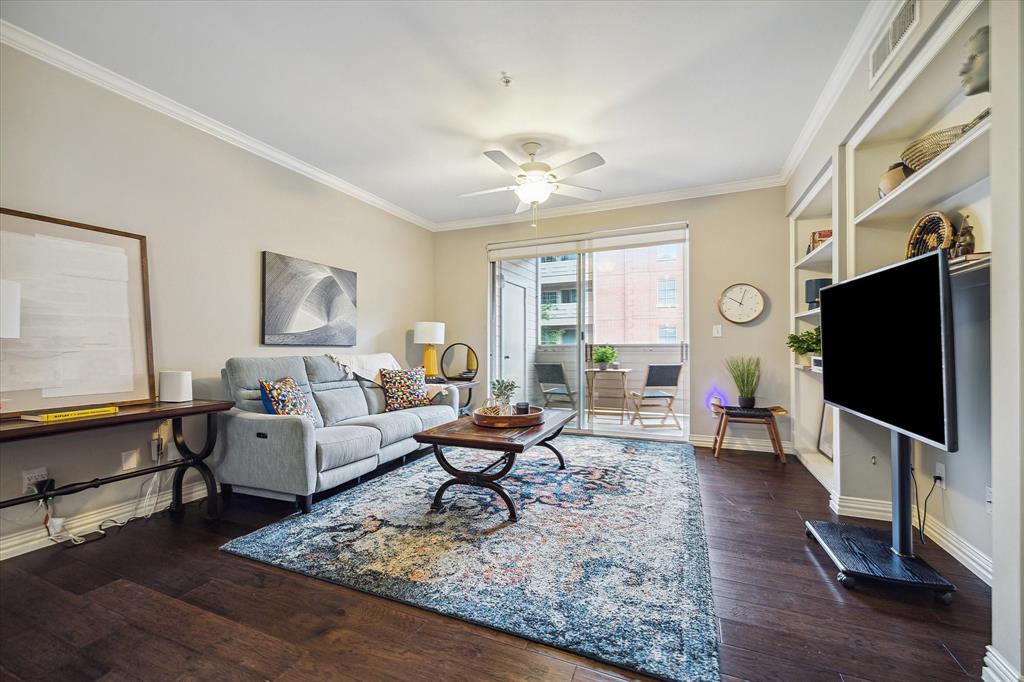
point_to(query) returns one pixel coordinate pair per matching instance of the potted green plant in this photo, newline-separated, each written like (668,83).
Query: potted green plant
(746,374)
(502,391)
(604,356)
(805,344)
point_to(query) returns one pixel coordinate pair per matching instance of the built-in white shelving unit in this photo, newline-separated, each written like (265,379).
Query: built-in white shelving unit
(924,97)
(815,211)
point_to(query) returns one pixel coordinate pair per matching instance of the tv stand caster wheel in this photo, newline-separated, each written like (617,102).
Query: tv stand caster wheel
(946,598)
(846,581)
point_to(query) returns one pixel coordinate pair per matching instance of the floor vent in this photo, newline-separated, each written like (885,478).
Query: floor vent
(892,38)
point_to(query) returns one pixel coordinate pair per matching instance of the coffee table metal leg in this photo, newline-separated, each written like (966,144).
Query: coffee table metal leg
(549,446)
(504,496)
(480,479)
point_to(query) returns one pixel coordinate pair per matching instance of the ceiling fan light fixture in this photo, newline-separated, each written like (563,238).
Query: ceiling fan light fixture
(535,192)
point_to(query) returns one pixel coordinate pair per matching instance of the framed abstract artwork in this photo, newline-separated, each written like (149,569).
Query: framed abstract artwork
(307,303)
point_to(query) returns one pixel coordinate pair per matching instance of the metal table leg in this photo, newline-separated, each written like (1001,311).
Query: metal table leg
(195,460)
(480,479)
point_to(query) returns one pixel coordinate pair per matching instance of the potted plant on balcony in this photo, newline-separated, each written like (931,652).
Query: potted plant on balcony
(604,356)
(746,374)
(805,344)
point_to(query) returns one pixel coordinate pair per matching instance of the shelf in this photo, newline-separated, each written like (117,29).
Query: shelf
(812,316)
(819,260)
(959,167)
(970,266)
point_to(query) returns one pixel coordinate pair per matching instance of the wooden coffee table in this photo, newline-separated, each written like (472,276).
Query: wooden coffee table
(464,433)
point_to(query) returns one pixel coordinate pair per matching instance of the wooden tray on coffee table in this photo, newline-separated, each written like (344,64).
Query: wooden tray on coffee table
(508,421)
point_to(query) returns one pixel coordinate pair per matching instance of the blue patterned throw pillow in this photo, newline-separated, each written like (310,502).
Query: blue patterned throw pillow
(404,388)
(284,396)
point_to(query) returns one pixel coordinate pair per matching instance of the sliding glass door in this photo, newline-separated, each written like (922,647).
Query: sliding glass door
(581,329)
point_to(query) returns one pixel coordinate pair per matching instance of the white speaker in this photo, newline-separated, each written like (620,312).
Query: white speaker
(175,387)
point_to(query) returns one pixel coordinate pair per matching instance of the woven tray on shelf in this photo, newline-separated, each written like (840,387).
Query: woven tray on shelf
(932,231)
(923,150)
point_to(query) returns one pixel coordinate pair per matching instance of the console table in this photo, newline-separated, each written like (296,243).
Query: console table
(13,429)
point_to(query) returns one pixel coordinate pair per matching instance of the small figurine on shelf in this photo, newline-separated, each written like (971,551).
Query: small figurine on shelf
(964,240)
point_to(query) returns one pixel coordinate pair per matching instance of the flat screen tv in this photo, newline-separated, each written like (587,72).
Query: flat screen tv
(887,346)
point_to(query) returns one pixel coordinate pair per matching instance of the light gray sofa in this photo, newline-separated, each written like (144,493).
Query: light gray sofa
(277,456)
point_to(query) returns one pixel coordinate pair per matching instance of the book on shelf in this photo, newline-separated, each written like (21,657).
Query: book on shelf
(64,415)
(818,237)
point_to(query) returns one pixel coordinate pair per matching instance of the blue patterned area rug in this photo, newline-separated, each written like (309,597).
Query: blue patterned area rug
(609,557)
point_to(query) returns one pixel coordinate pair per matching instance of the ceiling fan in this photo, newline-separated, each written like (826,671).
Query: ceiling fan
(536,180)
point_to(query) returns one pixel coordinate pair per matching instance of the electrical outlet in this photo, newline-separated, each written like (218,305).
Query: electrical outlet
(988,500)
(940,470)
(130,460)
(30,476)
(716,330)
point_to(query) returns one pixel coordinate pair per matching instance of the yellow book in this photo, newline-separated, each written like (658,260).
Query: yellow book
(71,414)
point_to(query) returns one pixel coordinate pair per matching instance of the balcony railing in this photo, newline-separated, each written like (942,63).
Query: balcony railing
(558,272)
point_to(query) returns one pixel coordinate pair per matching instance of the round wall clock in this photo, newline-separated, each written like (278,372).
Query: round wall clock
(741,303)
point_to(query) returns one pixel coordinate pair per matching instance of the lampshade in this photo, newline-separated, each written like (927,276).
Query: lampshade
(534,192)
(428,332)
(10,309)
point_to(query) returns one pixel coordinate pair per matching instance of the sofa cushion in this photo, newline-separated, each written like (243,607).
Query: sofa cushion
(433,415)
(403,388)
(393,426)
(337,393)
(244,376)
(283,396)
(340,445)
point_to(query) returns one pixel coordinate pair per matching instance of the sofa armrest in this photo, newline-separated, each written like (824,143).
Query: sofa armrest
(451,399)
(268,451)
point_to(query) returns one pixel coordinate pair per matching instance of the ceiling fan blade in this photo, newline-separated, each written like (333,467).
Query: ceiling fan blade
(578,192)
(584,163)
(501,158)
(522,207)
(487,191)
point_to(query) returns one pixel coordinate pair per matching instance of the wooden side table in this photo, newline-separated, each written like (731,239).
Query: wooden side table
(592,373)
(467,385)
(730,414)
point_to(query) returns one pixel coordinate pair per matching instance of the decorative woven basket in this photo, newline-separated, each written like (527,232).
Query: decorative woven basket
(932,231)
(925,149)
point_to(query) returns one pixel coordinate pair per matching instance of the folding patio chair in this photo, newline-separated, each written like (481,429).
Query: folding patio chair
(660,389)
(553,384)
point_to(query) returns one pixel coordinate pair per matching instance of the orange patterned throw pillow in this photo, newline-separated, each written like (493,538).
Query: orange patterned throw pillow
(404,388)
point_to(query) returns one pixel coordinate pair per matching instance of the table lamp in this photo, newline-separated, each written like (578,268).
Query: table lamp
(429,333)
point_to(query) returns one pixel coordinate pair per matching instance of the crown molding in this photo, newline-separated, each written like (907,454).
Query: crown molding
(878,11)
(875,16)
(622,202)
(44,50)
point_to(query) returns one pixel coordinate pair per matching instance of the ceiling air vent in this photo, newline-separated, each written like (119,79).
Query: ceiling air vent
(892,38)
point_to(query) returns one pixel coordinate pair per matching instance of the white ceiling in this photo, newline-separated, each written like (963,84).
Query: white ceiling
(401,98)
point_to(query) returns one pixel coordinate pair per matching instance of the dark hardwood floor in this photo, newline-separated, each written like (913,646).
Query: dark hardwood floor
(157,600)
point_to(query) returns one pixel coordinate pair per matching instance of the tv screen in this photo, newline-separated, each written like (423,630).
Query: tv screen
(887,348)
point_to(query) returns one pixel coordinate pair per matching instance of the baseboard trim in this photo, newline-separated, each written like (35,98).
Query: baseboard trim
(32,539)
(979,563)
(998,669)
(739,443)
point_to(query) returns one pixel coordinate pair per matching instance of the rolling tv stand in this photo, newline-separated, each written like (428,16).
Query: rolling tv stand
(869,553)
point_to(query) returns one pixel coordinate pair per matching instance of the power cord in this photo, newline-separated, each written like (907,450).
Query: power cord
(922,520)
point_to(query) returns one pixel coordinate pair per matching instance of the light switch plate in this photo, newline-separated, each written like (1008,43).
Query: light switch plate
(716,330)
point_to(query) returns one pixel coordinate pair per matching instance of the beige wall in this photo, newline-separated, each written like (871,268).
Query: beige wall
(738,237)
(76,151)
